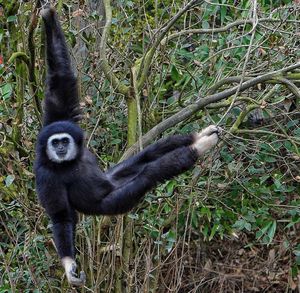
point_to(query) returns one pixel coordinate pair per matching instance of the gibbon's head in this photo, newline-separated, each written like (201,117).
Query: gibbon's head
(60,142)
(61,147)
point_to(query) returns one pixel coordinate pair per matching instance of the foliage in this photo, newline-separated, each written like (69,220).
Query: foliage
(245,195)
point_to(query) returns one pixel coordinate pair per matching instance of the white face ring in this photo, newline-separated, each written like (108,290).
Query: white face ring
(71,150)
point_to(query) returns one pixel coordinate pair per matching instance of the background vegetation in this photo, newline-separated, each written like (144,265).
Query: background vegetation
(146,70)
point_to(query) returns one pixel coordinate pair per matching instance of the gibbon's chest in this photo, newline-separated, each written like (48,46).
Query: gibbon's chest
(79,171)
(85,176)
(89,187)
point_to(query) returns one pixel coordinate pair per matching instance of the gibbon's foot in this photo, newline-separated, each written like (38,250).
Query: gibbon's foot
(70,269)
(206,139)
(210,130)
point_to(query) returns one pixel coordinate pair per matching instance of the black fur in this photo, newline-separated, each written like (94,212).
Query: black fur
(62,100)
(79,185)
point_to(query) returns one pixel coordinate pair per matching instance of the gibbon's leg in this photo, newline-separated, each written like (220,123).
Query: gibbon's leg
(170,164)
(64,225)
(131,167)
(62,101)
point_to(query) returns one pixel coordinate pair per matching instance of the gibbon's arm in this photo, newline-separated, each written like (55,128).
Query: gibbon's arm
(53,197)
(62,100)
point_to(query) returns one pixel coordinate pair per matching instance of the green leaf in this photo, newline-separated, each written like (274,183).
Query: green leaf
(12,18)
(6,91)
(116,141)
(248,226)
(253,170)
(271,231)
(239,224)
(9,180)
(205,24)
(170,186)
(206,212)
(288,146)
(242,224)
(214,229)
(263,230)
(293,222)
(269,159)
(175,75)
(292,123)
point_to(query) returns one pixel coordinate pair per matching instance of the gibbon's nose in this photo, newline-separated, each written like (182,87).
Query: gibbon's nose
(61,149)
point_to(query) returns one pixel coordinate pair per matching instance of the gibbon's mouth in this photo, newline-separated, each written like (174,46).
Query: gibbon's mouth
(61,154)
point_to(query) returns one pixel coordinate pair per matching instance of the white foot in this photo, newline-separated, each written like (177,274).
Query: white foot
(206,139)
(70,269)
(210,130)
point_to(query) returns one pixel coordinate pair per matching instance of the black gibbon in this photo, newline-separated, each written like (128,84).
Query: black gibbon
(68,179)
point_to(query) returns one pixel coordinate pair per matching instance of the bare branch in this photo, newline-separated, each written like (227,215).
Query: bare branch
(291,86)
(147,59)
(121,88)
(200,104)
(217,30)
(266,132)
(31,66)
(19,55)
(236,79)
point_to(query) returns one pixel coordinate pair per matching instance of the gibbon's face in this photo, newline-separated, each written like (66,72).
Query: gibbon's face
(61,147)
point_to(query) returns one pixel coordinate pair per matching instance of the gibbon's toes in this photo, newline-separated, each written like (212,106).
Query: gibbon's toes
(82,276)
(72,277)
(209,131)
(77,281)
(205,143)
(219,131)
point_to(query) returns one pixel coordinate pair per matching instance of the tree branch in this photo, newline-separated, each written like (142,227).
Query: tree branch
(215,30)
(266,132)
(200,104)
(121,88)
(147,59)
(19,55)
(276,80)
(31,65)
(290,85)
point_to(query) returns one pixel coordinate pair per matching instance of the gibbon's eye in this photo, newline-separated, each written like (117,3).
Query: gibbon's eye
(55,142)
(65,140)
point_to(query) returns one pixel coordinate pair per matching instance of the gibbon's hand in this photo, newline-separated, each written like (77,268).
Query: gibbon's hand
(70,268)
(207,139)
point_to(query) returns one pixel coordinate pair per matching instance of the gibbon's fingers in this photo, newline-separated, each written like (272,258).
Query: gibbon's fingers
(70,269)
(73,280)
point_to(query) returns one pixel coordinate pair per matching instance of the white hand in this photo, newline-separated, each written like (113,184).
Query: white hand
(70,269)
